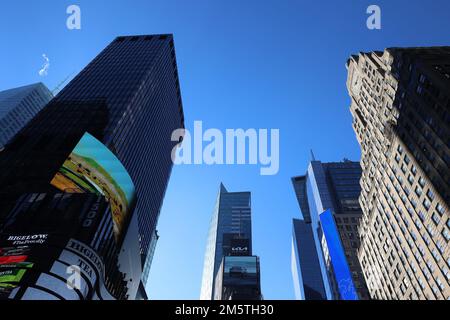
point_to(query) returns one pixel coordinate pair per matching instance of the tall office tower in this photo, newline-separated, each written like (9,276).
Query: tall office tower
(18,106)
(107,132)
(230,271)
(308,281)
(400,107)
(325,240)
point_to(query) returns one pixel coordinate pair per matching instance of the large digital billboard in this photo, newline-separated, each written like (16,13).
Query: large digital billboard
(54,239)
(341,269)
(13,266)
(92,168)
(240,271)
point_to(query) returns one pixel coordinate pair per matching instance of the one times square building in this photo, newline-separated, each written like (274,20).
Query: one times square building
(230,270)
(85,179)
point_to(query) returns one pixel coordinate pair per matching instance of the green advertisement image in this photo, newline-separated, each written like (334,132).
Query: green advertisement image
(12,275)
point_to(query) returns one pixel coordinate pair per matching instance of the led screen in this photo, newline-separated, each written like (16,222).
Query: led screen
(338,260)
(240,271)
(93,168)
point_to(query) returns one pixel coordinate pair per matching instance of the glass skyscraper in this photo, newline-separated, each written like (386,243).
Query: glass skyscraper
(308,281)
(328,188)
(231,221)
(18,106)
(126,103)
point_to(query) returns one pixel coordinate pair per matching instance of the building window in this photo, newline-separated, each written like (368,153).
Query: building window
(422,182)
(418,191)
(436,218)
(440,284)
(446,234)
(440,209)
(422,216)
(419,89)
(404,168)
(407,160)
(430,195)
(422,78)
(414,170)
(427,204)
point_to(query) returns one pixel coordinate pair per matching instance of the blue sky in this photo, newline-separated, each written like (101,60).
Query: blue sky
(242,64)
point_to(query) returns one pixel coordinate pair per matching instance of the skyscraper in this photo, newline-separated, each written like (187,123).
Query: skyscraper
(18,106)
(229,250)
(327,234)
(122,108)
(401,115)
(308,281)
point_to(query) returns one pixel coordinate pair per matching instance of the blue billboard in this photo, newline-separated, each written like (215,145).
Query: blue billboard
(338,259)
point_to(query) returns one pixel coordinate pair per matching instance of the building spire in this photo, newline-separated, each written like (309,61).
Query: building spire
(313,158)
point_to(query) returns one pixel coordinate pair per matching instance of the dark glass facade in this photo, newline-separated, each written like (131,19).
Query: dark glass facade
(308,281)
(18,106)
(129,99)
(138,78)
(230,227)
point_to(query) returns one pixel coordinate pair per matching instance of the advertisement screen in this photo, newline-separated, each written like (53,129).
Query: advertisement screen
(337,255)
(240,271)
(240,247)
(13,266)
(93,168)
(62,245)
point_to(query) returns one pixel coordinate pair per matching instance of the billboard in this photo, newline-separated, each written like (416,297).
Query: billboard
(240,247)
(341,269)
(240,271)
(53,240)
(13,266)
(92,168)
(238,279)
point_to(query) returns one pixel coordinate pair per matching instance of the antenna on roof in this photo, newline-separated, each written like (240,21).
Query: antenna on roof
(58,87)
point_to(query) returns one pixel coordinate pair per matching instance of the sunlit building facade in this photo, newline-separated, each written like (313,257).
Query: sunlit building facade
(401,114)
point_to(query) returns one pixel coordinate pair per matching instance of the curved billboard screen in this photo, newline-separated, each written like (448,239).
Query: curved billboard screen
(92,168)
(339,262)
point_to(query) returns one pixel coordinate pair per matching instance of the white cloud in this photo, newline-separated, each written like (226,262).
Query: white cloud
(44,71)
